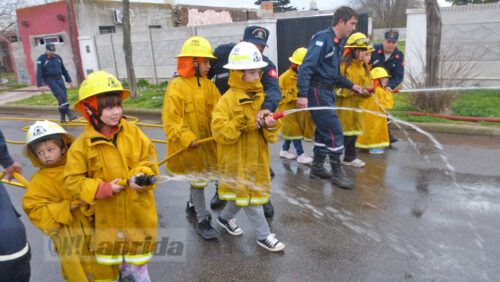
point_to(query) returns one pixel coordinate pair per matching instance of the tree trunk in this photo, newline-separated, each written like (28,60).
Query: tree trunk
(433,46)
(127,49)
(72,36)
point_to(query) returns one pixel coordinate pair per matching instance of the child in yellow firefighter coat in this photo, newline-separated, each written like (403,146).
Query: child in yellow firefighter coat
(297,126)
(54,211)
(187,112)
(356,70)
(109,150)
(243,153)
(375,138)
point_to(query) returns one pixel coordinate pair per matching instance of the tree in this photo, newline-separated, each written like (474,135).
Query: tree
(72,36)
(279,6)
(432,49)
(467,2)
(8,14)
(127,49)
(387,13)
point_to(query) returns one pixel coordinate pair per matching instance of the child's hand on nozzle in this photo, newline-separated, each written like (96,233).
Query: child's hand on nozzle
(138,187)
(194,144)
(269,120)
(115,187)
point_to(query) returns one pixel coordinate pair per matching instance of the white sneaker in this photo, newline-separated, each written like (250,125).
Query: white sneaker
(271,243)
(287,155)
(355,163)
(304,159)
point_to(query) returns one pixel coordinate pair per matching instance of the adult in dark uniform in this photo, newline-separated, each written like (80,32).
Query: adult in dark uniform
(388,56)
(318,74)
(15,252)
(269,79)
(50,70)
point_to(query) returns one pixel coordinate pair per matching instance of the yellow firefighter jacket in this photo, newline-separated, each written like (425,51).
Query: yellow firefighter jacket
(186,116)
(376,134)
(299,125)
(125,224)
(352,121)
(243,153)
(47,205)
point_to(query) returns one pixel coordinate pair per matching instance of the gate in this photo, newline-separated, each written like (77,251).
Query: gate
(293,33)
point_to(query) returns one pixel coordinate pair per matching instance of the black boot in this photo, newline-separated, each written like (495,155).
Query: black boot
(392,139)
(268,209)
(70,115)
(338,176)
(63,116)
(190,210)
(215,202)
(318,169)
(206,230)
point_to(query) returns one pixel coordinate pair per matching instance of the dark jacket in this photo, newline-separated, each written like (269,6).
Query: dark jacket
(395,65)
(322,62)
(50,68)
(12,229)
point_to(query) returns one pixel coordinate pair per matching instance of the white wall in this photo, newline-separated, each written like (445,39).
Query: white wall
(154,50)
(470,37)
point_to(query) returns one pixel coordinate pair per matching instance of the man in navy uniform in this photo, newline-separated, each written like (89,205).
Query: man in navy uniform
(388,56)
(269,79)
(15,254)
(50,69)
(318,74)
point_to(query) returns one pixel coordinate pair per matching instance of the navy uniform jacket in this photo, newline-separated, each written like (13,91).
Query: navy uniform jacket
(395,65)
(12,229)
(50,68)
(269,77)
(322,62)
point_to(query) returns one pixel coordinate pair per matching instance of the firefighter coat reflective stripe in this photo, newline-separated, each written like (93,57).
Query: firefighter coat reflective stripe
(243,153)
(126,222)
(186,116)
(376,134)
(352,121)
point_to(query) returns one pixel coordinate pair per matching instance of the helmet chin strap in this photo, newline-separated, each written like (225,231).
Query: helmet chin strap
(93,116)
(197,69)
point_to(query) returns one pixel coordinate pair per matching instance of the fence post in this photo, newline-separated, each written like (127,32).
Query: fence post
(152,57)
(113,53)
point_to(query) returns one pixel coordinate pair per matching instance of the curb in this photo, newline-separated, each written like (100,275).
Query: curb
(464,129)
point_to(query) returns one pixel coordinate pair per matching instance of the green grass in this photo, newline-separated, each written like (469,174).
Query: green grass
(481,103)
(149,99)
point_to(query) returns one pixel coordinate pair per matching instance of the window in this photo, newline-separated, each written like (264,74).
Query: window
(105,29)
(155,26)
(55,39)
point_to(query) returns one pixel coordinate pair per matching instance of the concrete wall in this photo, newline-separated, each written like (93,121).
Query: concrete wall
(22,73)
(379,33)
(470,39)
(154,50)
(91,14)
(189,15)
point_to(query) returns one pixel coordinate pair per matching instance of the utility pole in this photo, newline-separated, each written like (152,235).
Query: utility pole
(72,36)
(127,49)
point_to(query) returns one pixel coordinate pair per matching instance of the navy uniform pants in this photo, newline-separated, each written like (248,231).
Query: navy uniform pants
(328,136)
(59,90)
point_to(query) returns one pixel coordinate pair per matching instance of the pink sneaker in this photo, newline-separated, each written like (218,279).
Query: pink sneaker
(304,159)
(287,155)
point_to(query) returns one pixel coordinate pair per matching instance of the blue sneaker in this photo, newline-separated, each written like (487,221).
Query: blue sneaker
(376,151)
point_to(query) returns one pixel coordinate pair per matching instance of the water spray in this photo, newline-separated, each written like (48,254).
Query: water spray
(442,89)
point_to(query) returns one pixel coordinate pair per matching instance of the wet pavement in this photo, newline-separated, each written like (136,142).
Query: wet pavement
(405,220)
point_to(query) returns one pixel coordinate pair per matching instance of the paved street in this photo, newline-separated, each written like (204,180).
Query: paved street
(405,220)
